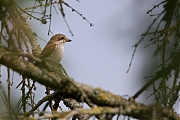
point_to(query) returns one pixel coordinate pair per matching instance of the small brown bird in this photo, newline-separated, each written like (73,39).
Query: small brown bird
(53,51)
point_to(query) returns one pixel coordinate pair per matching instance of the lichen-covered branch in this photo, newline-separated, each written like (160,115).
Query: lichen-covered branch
(163,115)
(68,88)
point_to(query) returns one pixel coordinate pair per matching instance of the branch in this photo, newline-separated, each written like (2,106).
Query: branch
(44,99)
(68,88)
(116,110)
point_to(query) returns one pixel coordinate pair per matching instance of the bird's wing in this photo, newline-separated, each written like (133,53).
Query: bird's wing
(48,49)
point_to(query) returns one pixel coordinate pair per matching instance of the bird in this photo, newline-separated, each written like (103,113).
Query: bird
(53,51)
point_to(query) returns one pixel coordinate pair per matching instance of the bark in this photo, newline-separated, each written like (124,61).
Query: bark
(68,88)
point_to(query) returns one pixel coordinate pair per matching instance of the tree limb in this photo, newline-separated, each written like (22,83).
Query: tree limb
(68,88)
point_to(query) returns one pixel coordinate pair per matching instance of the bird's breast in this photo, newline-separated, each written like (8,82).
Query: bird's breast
(56,54)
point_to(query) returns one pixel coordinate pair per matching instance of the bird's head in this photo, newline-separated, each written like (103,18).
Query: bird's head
(59,39)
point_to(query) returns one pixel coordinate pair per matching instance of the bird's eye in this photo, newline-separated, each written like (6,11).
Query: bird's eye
(62,37)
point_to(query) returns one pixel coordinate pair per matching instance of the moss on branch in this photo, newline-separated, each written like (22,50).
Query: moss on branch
(68,88)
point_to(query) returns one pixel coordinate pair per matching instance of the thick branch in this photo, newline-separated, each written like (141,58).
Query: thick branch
(68,88)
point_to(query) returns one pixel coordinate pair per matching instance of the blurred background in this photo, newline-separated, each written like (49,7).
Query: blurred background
(99,55)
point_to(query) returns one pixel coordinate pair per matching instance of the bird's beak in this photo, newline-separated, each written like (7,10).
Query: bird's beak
(68,40)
